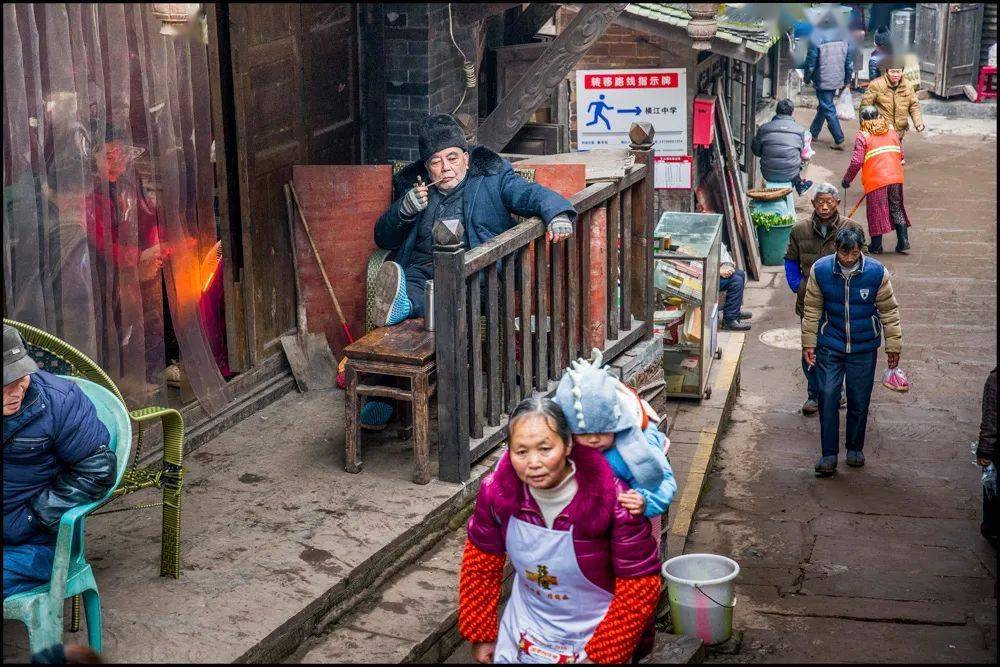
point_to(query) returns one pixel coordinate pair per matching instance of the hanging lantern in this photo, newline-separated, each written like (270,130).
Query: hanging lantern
(175,17)
(702,26)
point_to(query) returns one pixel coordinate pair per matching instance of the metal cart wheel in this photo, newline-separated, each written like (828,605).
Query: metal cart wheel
(718,353)
(708,393)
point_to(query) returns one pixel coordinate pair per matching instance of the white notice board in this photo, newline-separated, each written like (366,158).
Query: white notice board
(672,172)
(608,101)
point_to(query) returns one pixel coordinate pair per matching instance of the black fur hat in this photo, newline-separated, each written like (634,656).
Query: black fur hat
(438,132)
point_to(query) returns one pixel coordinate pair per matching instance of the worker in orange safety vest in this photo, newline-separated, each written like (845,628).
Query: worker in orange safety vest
(878,155)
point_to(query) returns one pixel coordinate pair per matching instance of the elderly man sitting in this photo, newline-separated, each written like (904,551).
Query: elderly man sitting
(451,181)
(55,456)
(780,144)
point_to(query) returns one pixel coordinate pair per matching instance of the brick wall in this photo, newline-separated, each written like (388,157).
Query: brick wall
(406,59)
(445,76)
(423,71)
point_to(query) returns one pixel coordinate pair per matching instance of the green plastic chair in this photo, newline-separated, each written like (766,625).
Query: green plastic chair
(41,608)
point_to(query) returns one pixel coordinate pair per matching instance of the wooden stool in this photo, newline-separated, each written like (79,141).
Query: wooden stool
(402,351)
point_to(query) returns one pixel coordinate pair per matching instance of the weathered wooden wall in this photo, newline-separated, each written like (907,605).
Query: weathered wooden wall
(295,95)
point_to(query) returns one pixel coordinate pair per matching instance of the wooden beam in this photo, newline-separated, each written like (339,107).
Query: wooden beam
(553,65)
(467,13)
(529,22)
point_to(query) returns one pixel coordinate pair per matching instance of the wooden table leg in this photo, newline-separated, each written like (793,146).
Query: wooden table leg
(352,438)
(421,429)
(405,429)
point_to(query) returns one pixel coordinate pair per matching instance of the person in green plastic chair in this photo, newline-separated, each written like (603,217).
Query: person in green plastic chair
(55,457)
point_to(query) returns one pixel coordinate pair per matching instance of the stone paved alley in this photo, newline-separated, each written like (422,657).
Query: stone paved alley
(883,563)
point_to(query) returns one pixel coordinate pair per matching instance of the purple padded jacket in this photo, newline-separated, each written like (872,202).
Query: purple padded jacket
(609,542)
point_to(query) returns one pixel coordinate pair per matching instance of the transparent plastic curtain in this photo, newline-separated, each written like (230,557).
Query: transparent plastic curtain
(107,177)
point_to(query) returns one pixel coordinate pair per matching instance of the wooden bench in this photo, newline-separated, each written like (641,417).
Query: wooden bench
(402,351)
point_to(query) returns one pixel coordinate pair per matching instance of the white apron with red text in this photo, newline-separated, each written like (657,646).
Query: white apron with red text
(553,608)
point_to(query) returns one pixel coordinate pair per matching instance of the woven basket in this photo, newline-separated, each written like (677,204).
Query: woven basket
(768,194)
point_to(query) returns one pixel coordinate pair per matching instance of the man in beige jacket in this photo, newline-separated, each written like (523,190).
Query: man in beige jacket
(849,308)
(895,98)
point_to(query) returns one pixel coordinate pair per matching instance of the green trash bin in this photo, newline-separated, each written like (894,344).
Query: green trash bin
(773,243)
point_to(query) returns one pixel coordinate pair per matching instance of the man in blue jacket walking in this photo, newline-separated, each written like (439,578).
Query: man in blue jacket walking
(849,307)
(829,66)
(450,181)
(55,457)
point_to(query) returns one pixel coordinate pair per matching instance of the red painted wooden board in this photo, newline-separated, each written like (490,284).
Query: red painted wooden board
(342,204)
(567,180)
(598,278)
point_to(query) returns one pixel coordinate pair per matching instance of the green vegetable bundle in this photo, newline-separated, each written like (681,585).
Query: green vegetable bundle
(769,220)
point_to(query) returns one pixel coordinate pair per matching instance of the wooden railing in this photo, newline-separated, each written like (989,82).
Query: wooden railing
(511,314)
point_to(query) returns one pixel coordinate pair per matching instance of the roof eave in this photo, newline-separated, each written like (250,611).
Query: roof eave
(679,35)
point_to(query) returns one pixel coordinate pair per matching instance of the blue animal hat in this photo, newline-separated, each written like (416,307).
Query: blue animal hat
(588,396)
(592,403)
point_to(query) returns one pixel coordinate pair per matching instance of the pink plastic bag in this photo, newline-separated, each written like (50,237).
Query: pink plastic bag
(895,379)
(807,147)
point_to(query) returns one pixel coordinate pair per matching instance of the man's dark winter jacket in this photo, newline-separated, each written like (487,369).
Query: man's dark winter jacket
(988,427)
(55,457)
(491,193)
(829,65)
(778,143)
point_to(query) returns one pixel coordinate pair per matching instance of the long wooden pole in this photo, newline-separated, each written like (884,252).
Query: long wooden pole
(319,260)
(857,206)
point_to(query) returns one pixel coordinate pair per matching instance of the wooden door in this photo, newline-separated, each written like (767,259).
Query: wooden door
(965,24)
(330,83)
(927,42)
(295,95)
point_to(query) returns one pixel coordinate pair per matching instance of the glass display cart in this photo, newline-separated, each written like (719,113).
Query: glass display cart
(686,278)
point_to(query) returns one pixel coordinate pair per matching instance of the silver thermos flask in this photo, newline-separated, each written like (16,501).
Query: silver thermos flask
(429,305)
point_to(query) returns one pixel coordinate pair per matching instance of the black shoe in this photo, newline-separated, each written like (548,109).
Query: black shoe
(735,325)
(874,251)
(855,458)
(745,315)
(902,238)
(826,466)
(838,146)
(803,187)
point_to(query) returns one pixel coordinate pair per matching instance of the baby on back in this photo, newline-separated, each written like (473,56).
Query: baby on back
(605,414)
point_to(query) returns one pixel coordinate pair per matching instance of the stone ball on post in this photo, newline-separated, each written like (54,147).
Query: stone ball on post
(641,135)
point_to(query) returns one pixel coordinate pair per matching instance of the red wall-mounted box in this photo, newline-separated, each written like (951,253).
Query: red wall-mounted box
(704,115)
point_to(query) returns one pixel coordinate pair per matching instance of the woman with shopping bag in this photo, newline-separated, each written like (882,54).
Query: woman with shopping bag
(878,155)
(586,571)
